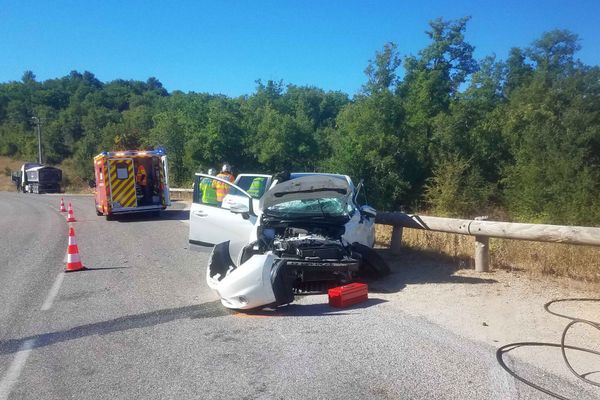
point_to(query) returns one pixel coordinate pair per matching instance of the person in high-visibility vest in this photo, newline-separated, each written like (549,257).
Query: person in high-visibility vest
(209,195)
(141,182)
(141,178)
(257,187)
(223,188)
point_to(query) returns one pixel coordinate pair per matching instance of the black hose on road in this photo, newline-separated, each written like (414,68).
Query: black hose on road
(574,321)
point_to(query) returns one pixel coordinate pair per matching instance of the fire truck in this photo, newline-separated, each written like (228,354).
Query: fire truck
(131,181)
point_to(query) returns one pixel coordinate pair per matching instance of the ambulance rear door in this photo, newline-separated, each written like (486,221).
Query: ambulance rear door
(122,183)
(166,193)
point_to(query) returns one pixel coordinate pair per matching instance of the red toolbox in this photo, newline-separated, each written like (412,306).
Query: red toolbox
(347,295)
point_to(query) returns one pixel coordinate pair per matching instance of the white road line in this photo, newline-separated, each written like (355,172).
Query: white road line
(53,292)
(15,368)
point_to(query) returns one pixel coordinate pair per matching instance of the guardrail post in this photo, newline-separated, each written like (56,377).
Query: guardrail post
(396,242)
(482,254)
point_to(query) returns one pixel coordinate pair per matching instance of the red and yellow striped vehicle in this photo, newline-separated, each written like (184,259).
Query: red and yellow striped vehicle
(131,181)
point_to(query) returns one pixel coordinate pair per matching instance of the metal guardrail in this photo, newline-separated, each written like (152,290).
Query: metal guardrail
(180,190)
(482,230)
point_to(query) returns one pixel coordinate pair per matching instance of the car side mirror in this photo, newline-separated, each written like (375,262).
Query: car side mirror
(240,209)
(368,211)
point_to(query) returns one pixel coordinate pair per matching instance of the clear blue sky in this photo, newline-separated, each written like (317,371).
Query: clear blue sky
(223,46)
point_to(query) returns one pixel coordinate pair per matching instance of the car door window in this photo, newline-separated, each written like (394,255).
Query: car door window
(210,191)
(254,185)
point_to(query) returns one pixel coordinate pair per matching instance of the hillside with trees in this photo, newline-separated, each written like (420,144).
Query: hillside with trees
(437,131)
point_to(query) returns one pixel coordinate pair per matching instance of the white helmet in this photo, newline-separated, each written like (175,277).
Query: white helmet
(226,168)
(211,171)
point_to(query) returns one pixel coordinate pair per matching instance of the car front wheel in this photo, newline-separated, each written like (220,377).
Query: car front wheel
(372,264)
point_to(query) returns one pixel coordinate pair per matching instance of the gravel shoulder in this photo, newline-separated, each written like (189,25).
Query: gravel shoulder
(496,308)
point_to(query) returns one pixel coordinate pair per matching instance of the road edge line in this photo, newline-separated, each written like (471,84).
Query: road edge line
(15,368)
(53,292)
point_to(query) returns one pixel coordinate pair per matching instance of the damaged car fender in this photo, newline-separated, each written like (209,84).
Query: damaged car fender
(245,287)
(359,229)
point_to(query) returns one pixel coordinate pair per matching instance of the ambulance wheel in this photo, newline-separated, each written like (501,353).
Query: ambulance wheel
(98,213)
(372,264)
(109,217)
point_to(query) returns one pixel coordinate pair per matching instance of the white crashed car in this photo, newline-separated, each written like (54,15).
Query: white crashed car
(307,234)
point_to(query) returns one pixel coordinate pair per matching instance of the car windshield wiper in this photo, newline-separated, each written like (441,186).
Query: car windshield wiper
(320,203)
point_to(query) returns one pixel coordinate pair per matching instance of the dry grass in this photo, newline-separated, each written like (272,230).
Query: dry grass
(551,259)
(72,182)
(7,165)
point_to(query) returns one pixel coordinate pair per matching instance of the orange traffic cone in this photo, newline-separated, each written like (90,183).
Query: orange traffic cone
(71,216)
(62,205)
(73,260)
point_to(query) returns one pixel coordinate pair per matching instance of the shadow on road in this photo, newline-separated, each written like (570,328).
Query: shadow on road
(308,310)
(211,309)
(89,269)
(165,215)
(206,310)
(414,267)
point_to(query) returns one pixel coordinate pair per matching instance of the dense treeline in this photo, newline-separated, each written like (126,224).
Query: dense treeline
(437,130)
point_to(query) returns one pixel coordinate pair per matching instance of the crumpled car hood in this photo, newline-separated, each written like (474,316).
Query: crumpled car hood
(305,188)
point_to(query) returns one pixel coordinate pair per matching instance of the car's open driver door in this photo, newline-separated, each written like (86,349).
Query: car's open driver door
(210,224)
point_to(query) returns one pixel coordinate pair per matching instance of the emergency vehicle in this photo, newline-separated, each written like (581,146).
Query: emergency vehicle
(131,181)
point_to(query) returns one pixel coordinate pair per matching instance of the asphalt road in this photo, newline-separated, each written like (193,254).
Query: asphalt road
(142,324)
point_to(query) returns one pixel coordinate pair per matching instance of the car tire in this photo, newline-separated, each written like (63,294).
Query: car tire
(372,265)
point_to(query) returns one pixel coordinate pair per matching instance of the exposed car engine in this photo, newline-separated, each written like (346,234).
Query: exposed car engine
(315,257)
(308,247)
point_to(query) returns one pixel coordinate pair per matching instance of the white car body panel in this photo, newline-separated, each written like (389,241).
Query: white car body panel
(248,286)
(359,230)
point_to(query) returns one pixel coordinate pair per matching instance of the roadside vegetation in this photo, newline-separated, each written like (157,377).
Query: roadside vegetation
(436,131)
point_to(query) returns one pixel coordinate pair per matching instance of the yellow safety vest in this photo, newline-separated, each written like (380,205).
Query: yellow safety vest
(209,196)
(222,188)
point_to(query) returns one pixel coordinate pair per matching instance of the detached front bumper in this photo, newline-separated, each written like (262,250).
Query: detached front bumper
(266,279)
(243,288)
